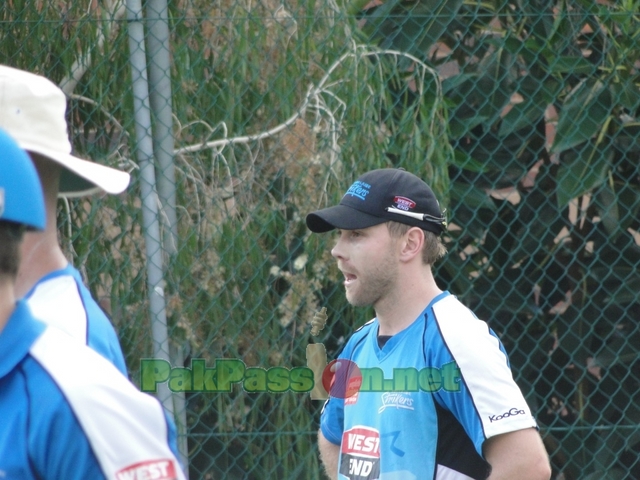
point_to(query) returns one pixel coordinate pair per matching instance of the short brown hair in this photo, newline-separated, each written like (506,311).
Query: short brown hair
(10,239)
(433,249)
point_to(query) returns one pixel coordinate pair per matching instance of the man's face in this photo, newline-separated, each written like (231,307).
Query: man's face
(368,260)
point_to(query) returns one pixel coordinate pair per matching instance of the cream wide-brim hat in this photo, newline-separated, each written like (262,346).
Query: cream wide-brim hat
(32,111)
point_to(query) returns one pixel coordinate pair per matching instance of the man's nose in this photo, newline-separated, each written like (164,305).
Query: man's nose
(336,251)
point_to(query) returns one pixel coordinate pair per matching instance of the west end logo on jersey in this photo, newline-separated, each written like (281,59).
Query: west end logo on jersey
(403,203)
(360,453)
(151,470)
(361,440)
(359,190)
(399,400)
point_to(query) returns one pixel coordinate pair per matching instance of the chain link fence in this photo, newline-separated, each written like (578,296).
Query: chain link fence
(523,115)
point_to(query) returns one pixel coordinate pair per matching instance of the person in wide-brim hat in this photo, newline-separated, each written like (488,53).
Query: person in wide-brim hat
(32,112)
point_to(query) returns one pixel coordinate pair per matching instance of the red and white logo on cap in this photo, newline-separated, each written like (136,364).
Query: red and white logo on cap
(404,203)
(151,470)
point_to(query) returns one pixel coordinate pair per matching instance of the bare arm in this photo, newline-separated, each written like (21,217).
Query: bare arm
(329,455)
(518,455)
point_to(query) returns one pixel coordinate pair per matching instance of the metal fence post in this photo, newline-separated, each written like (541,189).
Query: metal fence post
(160,94)
(158,41)
(144,151)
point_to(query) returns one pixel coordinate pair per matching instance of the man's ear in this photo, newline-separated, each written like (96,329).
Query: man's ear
(413,242)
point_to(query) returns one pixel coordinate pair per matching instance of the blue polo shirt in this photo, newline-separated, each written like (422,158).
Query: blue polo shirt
(429,399)
(61,299)
(66,412)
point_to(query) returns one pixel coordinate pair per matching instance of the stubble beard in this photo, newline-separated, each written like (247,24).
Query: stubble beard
(374,283)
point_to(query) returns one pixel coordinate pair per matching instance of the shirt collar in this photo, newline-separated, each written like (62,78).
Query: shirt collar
(17,337)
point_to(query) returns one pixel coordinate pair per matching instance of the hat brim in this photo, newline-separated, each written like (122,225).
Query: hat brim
(82,177)
(341,217)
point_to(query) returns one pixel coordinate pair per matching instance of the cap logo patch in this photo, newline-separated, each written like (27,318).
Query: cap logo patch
(359,190)
(404,203)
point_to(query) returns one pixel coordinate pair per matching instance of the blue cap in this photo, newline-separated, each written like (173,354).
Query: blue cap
(21,199)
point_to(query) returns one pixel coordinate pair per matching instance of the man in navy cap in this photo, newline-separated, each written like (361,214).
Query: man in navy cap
(437,399)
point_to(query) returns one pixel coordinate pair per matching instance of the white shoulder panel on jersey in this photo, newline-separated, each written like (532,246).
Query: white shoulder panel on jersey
(484,369)
(446,473)
(57,302)
(125,427)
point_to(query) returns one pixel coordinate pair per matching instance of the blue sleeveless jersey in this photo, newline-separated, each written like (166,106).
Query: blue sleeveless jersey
(428,400)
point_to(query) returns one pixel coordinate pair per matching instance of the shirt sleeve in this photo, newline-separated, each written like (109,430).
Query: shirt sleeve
(482,393)
(129,433)
(332,416)
(104,340)
(101,335)
(332,420)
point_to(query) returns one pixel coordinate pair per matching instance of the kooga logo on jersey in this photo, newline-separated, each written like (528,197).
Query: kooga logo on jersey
(511,413)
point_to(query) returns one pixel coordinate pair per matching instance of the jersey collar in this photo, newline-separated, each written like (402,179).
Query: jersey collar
(17,337)
(412,330)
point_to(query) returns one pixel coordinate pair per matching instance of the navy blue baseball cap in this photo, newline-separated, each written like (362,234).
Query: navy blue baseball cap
(378,196)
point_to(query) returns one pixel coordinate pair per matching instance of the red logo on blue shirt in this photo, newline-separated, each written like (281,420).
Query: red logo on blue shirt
(150,470)
(360,453)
